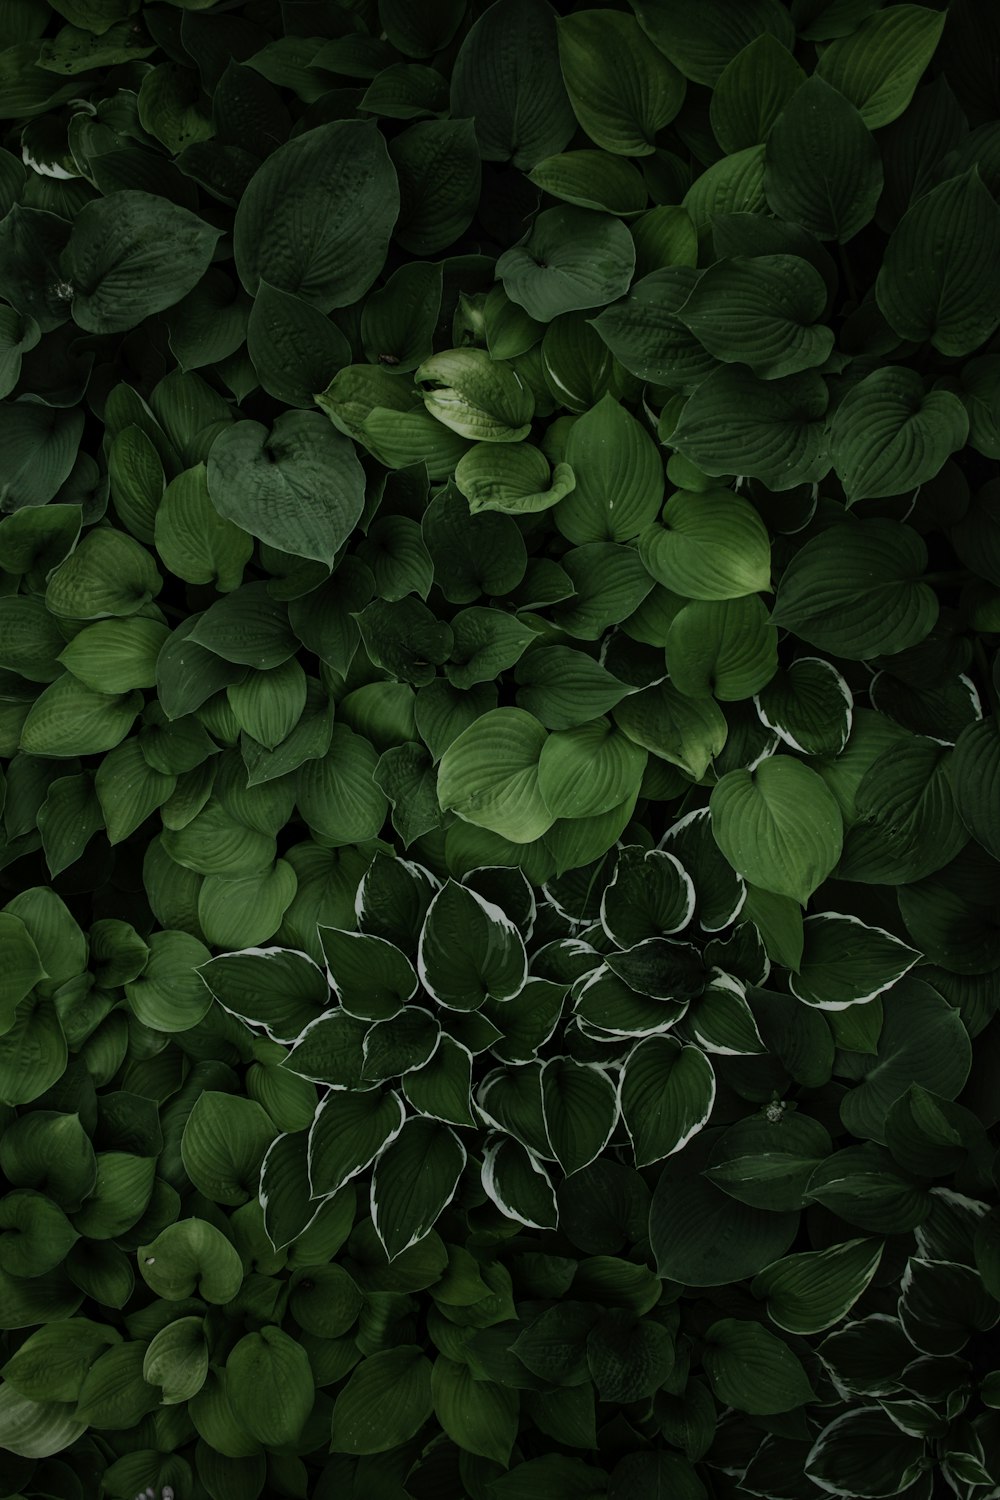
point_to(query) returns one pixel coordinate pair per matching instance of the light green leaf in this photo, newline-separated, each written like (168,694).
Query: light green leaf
(131,254)
(316,218)
(36,1429)
(619,476)
(414,1179)
(609,583)
(854,591)
(515,479)
(753,1370)
(477,397)
(195,542)
(778,826)
(687,732)
(823,169)
(570,258)
(488,775)
(709,545)
(238,910)
(108,573)
(337,794)
(727,648)
(879,65)
(951,296)
(223,1145)
(623,91)
(589,769)
(563,687)
(68,719)
(177,1360)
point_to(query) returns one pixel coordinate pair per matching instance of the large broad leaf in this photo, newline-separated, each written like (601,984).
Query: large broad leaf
(589,770)
(269,1383)
(950,296)
(878,66)
(68,719)
(686,732)
(702,1237)
(131,254)
(809,706)
(563,687)
(489,775)
(779,826)
(647,336)
(702,43)
(479,1415)
(570,258)
(753,1370)
(773,430)
(506,77)
(854,590)
(889,434)
(477,397)
(349,1131)
(470,951)
(922,1041)
(438,165)
(514,1179)
(811,1291)
(665,1094)
(299,487)
(763,312)
(752,91)
(623,91)
(722,647)
(580,1110)
(316,218)
(414,1180)
(709,544)
(223,1144)
(619,476)
(975,771)
(823,169)
(845,962)
(865,1453)
(385,1402)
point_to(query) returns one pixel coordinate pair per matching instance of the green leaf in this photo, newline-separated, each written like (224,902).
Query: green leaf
(269,1383)
(515,1180)
(35,1234)
(114,1395)
(295,349)
(372,978)
(752,90)
(922,1041)
(299,487)
(563,687)
(52,1362)
(515,479)
(592,179)
(414,1179)
(753,1370)
(864,1452)
(778,826)
(710,545)
(629,1357)
(36,1429)
(889,435)
(589,770)
(248,627)
(646,335)
(399,320)
(177,1360)
(68,719)
(809,706)
(623,91)
(879,65)
(349,1131)
(39,448)
(666,1094)
(948,297)
(316,218)
(132,254)
(724,647)
(470,950)
(439,170)
(974,770)
(223,1145)
(477,397)
(22,967)
(579,1109)
(845,962)
(609,582)
(107,574)
(18,335)
(702,1237)
(570,258)
(814,1290)
(854,591)
(506,77)
(772,430)
(385,1402)
(488,775)
(479,1415)
(763,312)
(823,169)
(702,44)
(245,909)
(619,477)
(687,732)
(194,541)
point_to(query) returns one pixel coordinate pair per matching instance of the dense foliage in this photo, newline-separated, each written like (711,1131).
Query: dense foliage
(500,845)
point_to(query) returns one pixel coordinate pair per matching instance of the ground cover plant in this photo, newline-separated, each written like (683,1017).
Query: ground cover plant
(500,842)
